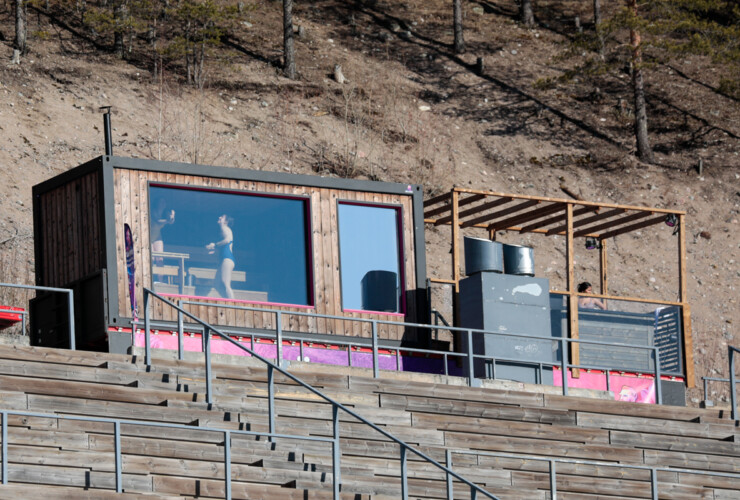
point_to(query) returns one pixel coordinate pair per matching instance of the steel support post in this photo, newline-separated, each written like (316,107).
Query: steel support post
(227,464)
(279,338)
(71,312)
(147,319)
(180,333)
(271,400)
(404,474)
(733,396)
(117,448)
(553,481)
(336,451)
(207,349)
(658,383)
(448,463)
(564,365)
(5,447)
(376,368)
(470,358)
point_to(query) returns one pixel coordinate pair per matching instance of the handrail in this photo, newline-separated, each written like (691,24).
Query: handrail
(23,313)
(70,305)
(553,470)
(336,406)
(563,341)
(732,380)
(117,440)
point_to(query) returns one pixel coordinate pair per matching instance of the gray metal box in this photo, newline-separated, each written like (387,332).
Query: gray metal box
(508,304)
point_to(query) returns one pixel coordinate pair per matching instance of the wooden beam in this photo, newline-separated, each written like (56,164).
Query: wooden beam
(475,210)
(603,274)
(574,202)
(688,341)
(624,299)
(588,220)
(532,215)
(572,296)
(634,227)
(558,218)
(455,259)
(611,223)
(501,213)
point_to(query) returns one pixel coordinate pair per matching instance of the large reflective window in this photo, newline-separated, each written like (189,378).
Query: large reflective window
(370,258)
(232,245)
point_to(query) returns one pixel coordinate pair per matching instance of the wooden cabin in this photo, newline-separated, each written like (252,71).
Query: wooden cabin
(298,243)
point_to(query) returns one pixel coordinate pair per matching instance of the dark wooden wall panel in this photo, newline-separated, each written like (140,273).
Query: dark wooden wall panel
(131,206)
(70,229)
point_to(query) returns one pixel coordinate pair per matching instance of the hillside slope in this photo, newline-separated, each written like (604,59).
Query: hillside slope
(411,112)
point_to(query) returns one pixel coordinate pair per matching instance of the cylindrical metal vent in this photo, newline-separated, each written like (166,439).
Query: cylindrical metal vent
(519,260)
(380,291)
(483,255)
(107,130)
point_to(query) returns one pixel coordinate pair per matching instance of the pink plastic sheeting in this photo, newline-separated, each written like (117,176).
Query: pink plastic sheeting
(625,388)
(291,353)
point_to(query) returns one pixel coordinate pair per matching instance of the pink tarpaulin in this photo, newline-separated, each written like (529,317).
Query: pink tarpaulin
(625,388)
(291,353)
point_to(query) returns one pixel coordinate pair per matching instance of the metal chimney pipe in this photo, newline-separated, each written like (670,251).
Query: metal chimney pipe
(107,130)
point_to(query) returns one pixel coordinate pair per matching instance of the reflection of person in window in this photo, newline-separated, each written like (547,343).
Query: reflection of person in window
(226,256)
(160,218)
(589,302)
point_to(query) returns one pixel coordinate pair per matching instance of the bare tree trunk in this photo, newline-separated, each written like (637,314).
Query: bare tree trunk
(458,26)
(19,44)
(119,14)
(597,27)
(288,45)
(644,152)
(526,14)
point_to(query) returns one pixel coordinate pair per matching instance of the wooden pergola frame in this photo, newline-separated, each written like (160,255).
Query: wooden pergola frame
(463,208)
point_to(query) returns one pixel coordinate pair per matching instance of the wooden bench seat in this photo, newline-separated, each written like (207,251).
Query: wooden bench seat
(16,491)
(653,426)
(216,489)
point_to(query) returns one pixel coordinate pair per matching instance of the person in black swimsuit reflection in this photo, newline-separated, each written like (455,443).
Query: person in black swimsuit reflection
(226,256)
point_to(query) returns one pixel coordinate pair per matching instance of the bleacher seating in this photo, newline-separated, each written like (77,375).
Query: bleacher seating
(74,459)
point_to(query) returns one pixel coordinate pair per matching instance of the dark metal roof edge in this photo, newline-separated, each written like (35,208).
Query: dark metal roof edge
(262,176)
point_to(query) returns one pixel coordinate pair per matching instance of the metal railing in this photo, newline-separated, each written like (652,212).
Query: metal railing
(22,313)
(117,422)
(336,406)
(70,305)
(731,351)
(553,468)
(469,357)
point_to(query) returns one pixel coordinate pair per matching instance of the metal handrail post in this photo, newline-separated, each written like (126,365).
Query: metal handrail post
(706,387)
(147,319)
(180,333)
(23,324)
(279,338)
(658,383)
(553,481)
(270,400)
(376,368)
(336,451)
(227,464)
(473,493)
(404,474)
(448,463)
(5,447)
(470,358)
(733,396)
(564,364)
(117,448)
(207,349)
(71,312)
(654,483)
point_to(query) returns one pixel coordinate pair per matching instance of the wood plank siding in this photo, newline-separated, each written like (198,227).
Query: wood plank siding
(70,232)
(132,207)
